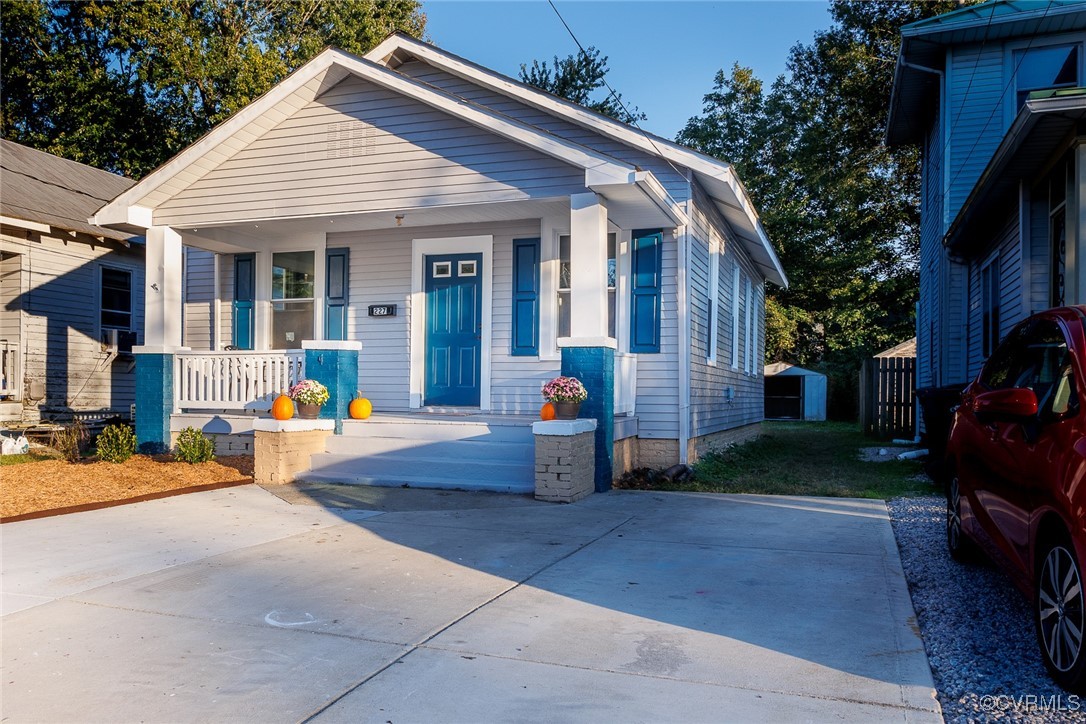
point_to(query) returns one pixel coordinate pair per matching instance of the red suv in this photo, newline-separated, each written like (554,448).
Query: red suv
(1017,489)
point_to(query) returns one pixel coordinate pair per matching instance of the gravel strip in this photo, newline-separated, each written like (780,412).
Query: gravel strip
(977,628)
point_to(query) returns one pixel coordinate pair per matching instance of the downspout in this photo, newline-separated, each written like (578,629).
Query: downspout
(684,326)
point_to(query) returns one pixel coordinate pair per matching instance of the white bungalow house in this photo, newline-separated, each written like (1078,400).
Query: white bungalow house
(446,239)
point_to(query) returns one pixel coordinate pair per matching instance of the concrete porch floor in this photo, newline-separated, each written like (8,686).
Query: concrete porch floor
(340,603)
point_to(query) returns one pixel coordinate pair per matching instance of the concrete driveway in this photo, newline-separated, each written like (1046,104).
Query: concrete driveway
(347,604)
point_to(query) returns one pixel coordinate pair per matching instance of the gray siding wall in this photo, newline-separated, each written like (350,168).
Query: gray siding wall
(932,259)
(710,410)
(199,298)
(1040,253)
(1007,248)
(59,311)
(362,148)
(657,405)
(672,178)
(975,116)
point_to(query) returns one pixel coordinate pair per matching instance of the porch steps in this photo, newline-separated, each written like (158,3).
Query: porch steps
(470,453)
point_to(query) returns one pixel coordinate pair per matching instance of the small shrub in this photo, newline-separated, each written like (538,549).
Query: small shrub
(116,444)
(69,441)
(193,446)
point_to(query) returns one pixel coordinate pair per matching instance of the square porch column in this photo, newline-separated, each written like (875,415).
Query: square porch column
(588,353)
(162,316)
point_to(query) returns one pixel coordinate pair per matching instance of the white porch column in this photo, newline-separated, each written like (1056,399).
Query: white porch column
(162,290)
(588,267)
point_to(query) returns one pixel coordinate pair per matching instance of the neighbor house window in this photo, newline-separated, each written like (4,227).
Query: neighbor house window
(989,302)
(565,281)
(292,298)
(748,359)
(115,300)
(1044,69)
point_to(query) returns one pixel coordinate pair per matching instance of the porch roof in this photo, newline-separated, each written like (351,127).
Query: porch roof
(1046,122)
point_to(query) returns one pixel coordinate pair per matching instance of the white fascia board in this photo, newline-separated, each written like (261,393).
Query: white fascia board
(213,138)
(730,191)
(653,145)
(24,224)
(124,216)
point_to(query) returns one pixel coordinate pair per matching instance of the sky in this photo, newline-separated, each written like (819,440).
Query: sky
(663,56)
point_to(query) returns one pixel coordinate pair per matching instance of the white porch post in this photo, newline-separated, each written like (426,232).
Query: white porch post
(162,290)
(588,268)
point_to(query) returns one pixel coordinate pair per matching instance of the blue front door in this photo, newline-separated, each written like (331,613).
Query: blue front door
(454,327)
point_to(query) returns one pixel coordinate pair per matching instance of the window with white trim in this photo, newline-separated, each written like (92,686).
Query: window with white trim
(736,277)
(759,304)
(293,275)
(714,302)
(115,298)
(748,359)
(565,280)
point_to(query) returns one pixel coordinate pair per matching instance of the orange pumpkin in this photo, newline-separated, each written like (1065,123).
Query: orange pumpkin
(360,408)
(547,412)
(282,408)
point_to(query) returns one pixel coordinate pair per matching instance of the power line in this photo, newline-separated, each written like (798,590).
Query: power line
(632,120)
(972,75)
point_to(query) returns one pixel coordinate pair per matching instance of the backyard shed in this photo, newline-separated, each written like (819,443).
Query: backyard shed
(794,393)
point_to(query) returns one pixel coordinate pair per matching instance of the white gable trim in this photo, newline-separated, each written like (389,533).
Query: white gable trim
(600,169)
(712,169)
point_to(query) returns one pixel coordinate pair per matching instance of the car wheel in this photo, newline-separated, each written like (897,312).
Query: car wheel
(1061,616)
(960,547)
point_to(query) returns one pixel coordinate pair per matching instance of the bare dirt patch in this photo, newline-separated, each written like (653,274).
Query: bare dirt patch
(52,484)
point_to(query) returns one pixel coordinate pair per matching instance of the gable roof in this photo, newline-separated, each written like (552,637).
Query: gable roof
(717,177)
(619,181)
(44,189)
(924,43)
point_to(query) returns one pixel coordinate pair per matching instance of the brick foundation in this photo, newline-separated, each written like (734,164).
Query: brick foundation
(626,456)
(565,457)
(282,449)
(237,443)
(724,439)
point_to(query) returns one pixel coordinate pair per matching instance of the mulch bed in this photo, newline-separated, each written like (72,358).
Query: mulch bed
(51,487)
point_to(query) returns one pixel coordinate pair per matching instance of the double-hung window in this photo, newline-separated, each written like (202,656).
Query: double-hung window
(989,304)
(115,299)
(565,283)
(714,302)
(736,279)
(1046,68)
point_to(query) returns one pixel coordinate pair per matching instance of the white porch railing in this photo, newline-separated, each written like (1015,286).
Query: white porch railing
(10,382)
(237,380)
(625,383)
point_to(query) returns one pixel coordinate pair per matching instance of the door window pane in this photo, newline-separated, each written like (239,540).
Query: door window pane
(292,322)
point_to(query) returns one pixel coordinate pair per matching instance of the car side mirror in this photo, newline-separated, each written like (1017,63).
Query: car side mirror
(1016,404)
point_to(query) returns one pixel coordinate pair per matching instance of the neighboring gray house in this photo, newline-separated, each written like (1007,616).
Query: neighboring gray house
(993,95)
(71,301)
(369,201)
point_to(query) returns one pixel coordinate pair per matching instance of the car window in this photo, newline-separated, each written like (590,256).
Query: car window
(1046,368)
(1008,362)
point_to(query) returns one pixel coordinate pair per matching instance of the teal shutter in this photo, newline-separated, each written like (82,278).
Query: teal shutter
(525,331)
(244,292)
(335,296)
(645,291)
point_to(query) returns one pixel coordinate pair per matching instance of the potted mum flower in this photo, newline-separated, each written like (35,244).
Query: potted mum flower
(310,395)
(566,394)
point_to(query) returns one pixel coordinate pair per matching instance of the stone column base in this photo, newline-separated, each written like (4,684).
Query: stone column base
(565,459)
(283,448)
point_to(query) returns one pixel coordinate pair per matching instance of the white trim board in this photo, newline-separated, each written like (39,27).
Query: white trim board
(420,248)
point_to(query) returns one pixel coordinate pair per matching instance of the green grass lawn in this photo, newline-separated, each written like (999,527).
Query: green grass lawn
(807,458)
(27,458)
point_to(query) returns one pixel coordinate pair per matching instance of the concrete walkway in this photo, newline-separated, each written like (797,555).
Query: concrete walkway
(357,605)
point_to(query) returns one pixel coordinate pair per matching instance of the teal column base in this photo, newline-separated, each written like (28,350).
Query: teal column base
(595,367)
(334,365)
(154,401)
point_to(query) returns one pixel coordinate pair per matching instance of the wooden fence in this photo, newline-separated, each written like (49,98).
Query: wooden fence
(888,397)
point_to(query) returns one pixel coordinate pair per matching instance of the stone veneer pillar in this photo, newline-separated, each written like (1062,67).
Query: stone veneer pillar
(335,365)
(283,448)
(565,452)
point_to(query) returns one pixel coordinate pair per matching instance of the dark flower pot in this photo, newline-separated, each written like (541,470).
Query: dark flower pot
(308,412)
(566,410)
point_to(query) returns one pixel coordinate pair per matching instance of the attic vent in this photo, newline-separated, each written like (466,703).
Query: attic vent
(350,138)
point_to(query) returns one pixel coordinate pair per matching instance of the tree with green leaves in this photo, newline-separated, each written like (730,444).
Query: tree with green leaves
(576,78)
(841,207)
(125,85)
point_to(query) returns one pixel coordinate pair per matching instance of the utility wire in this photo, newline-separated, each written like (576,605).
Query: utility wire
(632,120)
